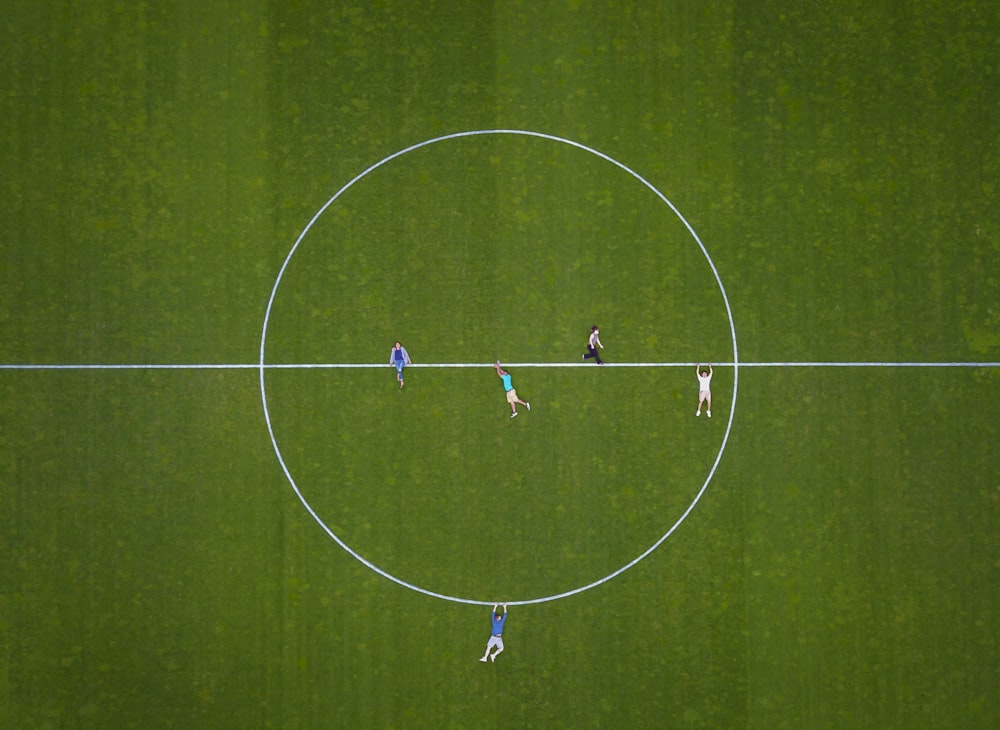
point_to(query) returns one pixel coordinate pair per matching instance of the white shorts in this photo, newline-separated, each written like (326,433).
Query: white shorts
(496,641)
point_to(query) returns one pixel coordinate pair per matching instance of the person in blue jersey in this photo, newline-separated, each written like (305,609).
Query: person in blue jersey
(509,388)
(400,358)
(496,633)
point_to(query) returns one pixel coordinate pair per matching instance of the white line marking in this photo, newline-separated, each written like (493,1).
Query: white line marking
(869,364)
(362,365)
(130,366)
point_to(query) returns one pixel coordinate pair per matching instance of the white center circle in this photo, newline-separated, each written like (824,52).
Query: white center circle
(263,367)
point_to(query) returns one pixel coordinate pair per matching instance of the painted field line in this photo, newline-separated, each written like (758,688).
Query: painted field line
(867,364)
(348,366)
(666,365)
(133,366)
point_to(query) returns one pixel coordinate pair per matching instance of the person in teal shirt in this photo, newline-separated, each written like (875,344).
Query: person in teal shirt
(496,633)
(511,393)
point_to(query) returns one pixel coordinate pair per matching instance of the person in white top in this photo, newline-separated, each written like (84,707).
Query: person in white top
(704,388)
(592,344)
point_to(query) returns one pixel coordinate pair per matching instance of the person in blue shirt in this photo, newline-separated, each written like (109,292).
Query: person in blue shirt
(400,358)
(511,393)
(496,634)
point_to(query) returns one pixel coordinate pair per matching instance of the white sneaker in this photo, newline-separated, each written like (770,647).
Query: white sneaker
(483,659)
(697,413)
(528,406)
(493,657)
(514,414)
(709,414)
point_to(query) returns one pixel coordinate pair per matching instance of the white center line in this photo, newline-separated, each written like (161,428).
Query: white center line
(347,366)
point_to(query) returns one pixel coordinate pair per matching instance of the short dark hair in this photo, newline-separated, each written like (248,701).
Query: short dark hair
(593,328)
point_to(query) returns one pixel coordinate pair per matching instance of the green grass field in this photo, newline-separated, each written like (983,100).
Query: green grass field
(162,168)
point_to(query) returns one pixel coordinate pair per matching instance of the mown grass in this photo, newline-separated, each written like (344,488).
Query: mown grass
(840,164)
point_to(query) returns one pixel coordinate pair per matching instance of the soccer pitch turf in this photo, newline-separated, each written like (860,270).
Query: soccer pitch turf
(217,220)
